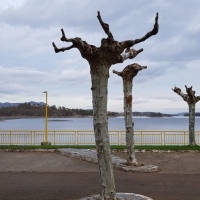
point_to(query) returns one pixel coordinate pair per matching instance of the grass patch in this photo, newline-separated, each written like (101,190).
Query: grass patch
(47,147)
(93,147)
(187,147)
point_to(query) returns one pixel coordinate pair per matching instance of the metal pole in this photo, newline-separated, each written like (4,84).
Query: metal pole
(46,122)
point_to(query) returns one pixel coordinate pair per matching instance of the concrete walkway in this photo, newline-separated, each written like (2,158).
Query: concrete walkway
(52,176)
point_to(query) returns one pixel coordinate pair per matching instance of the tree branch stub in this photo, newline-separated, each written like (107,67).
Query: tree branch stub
(154,31)
(105,27)
(130,71)
(190,97)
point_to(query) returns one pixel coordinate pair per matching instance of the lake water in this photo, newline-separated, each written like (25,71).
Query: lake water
(141,123)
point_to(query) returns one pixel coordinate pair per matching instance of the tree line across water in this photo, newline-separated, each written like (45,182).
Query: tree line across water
(28,109)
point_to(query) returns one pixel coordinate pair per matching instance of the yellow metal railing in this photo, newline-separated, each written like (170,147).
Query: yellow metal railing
(86,137)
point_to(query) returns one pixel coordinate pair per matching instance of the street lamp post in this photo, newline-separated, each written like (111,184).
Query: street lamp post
(46,124)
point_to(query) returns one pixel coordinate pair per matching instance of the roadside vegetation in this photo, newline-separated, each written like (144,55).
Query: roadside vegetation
(38,110)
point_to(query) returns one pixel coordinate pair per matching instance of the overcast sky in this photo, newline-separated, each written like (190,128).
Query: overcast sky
(29,65)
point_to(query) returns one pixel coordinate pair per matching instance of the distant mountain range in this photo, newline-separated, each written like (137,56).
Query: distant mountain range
(8,104)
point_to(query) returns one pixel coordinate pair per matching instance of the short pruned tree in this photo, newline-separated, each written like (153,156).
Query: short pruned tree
(191,100)
(100,60)
(128,73)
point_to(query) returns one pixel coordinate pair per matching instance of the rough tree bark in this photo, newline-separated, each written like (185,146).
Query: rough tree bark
(100,59)
(128,73)
(191,99)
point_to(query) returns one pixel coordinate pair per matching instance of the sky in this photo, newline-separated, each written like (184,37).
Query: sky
(29,65)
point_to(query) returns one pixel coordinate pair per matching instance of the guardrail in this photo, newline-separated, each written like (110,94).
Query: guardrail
(86,137)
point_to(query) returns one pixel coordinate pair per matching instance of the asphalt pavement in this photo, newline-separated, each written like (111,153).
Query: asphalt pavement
(51,176)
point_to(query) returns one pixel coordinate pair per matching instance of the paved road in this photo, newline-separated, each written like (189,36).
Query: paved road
(50,176)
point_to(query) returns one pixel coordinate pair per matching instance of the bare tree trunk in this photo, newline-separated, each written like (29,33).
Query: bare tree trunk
(191,99)
(128,73)
(191,124)
(99,94)
(127,85)
(100,59)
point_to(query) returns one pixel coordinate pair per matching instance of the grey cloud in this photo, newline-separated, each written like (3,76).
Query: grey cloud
(27,31)
(125,23)
(140,100)
(17,74)
(117,98)
(11,88)
(33,76)
(135,100)
(71,75)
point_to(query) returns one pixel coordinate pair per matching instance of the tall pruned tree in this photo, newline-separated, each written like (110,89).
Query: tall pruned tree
(128,73)
(100,60)
(191,100)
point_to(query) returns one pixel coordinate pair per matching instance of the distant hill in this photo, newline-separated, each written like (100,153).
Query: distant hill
(8,104)
(181,114)
(24,109)
(196,114)
(151,114)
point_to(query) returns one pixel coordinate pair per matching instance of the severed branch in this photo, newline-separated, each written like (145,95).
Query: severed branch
(116,72)
(189,97)
(105,27)
(179,92)
(129,54)
(197,99)
(154,31)
(63,38)
(77,42)
(150,33)
(190,92)
(57,50)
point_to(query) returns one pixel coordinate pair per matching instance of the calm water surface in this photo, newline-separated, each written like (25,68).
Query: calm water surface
(141,123)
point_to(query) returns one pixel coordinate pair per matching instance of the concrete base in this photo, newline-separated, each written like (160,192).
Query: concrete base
(121,196)
(46,143)
(118,163)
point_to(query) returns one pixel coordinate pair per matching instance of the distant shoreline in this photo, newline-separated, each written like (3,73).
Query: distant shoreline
(2,118)
(27,117)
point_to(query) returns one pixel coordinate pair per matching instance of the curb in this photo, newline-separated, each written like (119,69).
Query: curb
(113,150)
(121,196)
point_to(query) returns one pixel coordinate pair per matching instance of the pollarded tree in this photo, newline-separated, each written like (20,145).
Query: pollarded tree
(100,60)
(191,99)
(128,73)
